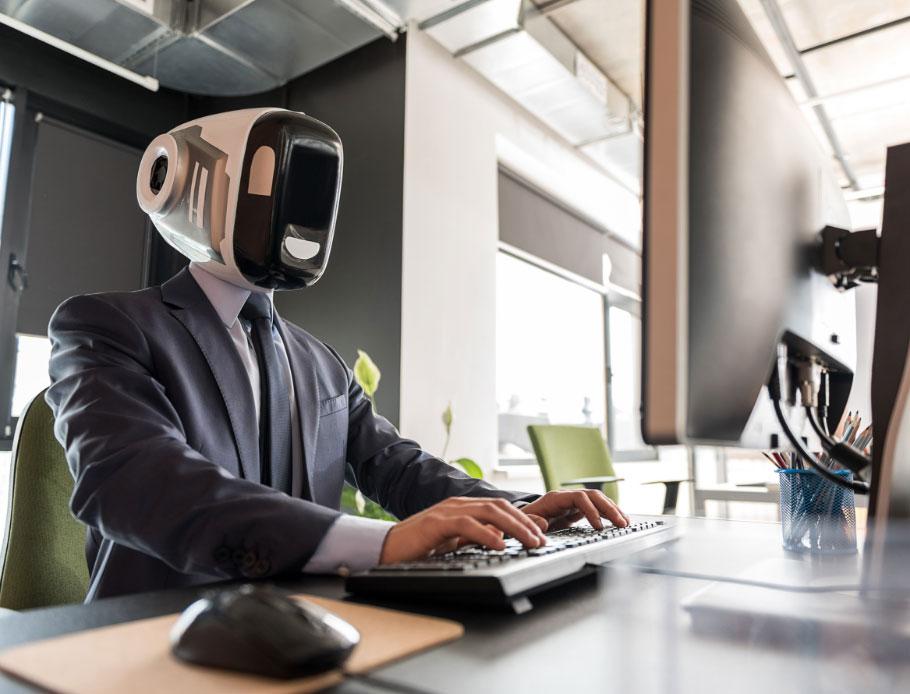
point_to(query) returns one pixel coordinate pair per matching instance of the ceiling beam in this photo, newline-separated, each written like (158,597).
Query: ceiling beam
(855,35)
(782,31)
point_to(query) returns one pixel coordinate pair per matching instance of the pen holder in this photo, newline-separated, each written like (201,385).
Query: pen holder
(817,515)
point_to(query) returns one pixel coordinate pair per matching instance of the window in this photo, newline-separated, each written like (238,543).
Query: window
(32,355)
(550,354)
(6,145)
(7,111)
(624,432)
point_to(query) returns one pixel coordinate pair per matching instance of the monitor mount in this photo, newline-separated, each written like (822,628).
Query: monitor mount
(850,258)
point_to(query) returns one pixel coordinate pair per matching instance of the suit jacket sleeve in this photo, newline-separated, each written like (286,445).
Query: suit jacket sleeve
(395,472)
(138,482)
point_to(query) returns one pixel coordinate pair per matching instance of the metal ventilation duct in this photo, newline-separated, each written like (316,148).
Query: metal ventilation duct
(211,47)
(522,52)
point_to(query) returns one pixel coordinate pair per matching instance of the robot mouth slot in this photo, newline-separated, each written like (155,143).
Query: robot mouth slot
(301,249)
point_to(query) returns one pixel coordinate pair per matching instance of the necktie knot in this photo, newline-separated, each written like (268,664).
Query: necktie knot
(257,306)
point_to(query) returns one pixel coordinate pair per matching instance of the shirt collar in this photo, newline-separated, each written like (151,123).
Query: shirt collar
(227,299)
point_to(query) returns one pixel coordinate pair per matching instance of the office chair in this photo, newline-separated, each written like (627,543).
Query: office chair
(43,551)
(572,456)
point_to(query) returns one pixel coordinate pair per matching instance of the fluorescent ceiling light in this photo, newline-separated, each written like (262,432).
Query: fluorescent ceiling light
(149,83)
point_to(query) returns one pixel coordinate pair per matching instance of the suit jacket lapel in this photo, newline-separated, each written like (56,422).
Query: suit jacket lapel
(306,393)
(190,307)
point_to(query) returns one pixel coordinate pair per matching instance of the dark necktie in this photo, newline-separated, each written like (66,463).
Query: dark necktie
(274,406)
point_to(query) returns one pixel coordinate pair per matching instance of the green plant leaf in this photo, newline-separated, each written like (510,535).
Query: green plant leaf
(470,467)
(366,373)
(447,418)
(355,503)
(348,503)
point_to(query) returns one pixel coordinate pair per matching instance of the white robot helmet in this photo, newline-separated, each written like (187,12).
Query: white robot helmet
(250,195)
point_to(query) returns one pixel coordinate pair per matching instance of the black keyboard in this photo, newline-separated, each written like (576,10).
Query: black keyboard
(483,576)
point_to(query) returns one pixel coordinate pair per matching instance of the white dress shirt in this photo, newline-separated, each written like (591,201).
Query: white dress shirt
(352,543)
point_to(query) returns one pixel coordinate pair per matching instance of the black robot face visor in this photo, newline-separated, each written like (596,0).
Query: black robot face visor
(252,195)
(287,201)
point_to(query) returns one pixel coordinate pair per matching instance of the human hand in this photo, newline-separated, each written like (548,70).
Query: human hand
(456,521)
(560,509)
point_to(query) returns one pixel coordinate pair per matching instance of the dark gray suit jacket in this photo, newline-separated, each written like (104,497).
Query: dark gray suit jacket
(156,414)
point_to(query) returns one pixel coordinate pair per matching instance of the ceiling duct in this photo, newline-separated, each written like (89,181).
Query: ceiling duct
(211,47)
(522,52)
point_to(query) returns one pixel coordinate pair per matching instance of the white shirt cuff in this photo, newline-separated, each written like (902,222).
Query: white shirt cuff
(352,544)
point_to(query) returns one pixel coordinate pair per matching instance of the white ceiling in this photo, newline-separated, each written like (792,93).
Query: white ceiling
(866,118)
(863,81)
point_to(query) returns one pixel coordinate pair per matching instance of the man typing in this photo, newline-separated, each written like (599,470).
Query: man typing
(210,439)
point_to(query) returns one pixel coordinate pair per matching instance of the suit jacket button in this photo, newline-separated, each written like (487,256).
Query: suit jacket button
(249,561)
(262,567)
(237,557)
(222,555)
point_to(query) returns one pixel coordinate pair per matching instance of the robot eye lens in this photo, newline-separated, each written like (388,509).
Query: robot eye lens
(159,173)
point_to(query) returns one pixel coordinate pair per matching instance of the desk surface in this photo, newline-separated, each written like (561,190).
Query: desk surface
(572,640)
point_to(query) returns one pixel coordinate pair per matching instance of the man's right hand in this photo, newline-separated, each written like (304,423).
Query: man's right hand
(457,521)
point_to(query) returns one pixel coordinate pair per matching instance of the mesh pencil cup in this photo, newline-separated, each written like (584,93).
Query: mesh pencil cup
(817,515)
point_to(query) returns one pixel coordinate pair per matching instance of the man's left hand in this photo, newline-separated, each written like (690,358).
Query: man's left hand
(560,509)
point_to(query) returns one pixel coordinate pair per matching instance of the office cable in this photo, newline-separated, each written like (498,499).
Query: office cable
(824,399)
(857,486)
(813,391)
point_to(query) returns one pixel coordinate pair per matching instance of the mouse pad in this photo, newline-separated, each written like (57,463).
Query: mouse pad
(135,657)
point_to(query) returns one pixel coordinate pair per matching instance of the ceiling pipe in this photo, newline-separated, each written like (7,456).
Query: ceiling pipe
(146,81)
(782,31)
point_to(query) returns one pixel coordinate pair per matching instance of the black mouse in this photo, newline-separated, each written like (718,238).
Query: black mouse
(259,631)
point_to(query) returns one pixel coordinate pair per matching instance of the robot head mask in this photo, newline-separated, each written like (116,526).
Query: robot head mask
(250,195)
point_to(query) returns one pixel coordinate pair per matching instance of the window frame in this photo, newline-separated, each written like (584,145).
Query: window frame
(611,295)
(630,303)
(13,244)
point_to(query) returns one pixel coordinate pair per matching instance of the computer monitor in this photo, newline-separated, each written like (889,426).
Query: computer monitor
(736,192)
(747,255)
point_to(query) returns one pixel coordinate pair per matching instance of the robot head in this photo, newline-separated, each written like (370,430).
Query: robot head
(250,195)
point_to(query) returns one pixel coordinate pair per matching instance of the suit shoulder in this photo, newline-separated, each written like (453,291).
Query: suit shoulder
(136,304)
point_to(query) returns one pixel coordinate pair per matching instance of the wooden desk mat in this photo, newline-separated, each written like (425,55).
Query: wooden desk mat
(135,657)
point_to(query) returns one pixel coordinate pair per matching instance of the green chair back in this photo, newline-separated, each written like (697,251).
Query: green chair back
(570,452)
(44,548)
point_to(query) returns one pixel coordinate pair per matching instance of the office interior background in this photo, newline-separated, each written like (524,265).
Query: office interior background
(488,246)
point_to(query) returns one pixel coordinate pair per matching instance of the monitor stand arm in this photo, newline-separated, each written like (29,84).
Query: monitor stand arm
(864,256)
(849,258)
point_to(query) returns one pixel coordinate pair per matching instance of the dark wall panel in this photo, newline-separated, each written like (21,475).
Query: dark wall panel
(87,233)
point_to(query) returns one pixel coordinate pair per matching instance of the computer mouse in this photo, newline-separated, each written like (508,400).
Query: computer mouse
(257,630)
